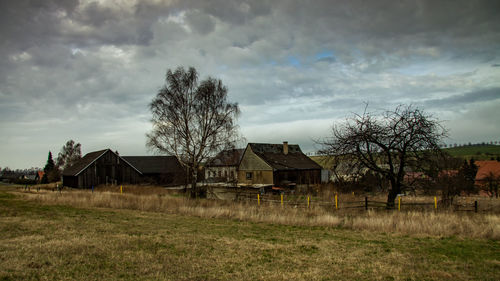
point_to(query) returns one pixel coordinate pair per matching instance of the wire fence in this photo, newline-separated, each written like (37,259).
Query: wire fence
(367,204)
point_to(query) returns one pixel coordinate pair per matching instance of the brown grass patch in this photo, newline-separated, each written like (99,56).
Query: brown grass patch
(421,223)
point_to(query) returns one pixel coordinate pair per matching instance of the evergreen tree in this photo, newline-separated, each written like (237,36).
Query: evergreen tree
(44,179)
(51,172)
(50,164)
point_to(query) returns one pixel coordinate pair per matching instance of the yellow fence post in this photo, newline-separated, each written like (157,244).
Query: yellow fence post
(307,201)
(336,202)
(281,200)
(121,189)
(399,203)
(435,203)
(258,199)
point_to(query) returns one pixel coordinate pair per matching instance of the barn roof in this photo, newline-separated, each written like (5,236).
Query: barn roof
(87,160)
(274,156)
(229,157)
(487,168)
(83,163)
(154,164)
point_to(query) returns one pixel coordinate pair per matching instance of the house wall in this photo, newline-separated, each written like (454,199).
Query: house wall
(221,173)
(258,177)
(261,172)
(250,161)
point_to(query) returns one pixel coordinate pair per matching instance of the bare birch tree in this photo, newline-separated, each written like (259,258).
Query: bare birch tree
(388,144)
(191,120)
(69,155)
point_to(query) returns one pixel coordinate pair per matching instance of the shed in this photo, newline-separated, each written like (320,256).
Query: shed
(100,167)
(161,170)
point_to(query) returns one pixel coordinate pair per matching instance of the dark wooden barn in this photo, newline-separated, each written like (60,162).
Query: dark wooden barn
(159,170)
(100,167)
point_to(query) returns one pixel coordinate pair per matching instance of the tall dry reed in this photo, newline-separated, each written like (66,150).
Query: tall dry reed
(426,223)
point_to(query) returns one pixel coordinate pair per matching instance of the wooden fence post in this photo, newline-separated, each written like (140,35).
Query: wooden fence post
(435,203)
(121,189)
(258,199)
(336,201)
(308,202)
(366,203)
(281,199)
(399,203)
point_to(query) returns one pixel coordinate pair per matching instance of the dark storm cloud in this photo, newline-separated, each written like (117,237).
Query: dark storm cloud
(92,67)
(233,12)
(483,95)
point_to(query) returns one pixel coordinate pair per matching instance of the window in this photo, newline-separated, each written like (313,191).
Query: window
(249,175)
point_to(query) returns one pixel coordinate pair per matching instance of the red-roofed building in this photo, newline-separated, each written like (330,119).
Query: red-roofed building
(39,176)
(488,175)
(486,170)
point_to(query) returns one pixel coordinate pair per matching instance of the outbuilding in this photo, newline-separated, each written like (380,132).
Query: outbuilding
(100,167)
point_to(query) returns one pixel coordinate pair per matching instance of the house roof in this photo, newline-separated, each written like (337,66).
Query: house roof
(154,164)
(229,157)
(274,156)
(87,160)
(487,168)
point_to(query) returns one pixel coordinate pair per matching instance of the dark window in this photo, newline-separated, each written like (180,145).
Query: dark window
(249,175)
(220,174)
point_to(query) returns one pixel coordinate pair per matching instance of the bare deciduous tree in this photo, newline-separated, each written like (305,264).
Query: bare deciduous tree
(388,144)
(191,120)
(69,154)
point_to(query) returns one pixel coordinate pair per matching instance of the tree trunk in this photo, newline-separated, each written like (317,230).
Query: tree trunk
(194,187)
(393,193)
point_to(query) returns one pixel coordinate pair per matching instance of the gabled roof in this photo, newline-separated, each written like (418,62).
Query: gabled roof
(274,156)
(487,168)
(154,164)
(229,157)
(87,160)
(83,163)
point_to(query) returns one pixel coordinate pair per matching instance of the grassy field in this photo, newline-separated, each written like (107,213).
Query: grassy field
(50,240)
(479,152)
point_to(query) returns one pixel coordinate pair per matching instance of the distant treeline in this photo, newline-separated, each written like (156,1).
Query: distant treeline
(469,144)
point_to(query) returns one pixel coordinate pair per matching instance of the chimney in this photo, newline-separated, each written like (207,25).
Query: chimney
(285,147)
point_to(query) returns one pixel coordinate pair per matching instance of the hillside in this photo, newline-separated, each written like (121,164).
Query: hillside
(478,152)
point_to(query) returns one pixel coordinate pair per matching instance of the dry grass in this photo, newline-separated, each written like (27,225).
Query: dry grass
(421,223)
(44,238)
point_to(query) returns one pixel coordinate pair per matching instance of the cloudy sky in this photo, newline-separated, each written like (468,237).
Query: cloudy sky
(86,70)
